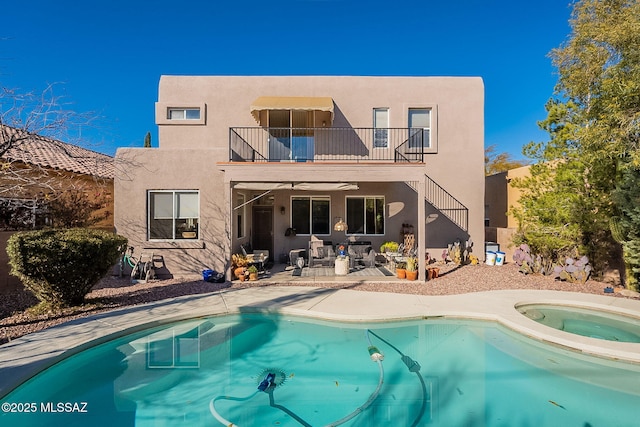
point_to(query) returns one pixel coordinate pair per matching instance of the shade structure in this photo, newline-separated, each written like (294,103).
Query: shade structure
(262,186)
(325,186)
(304,103)
(303,186)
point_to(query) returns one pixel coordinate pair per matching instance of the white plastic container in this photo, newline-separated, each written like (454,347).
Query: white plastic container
(490,258)
(499,258)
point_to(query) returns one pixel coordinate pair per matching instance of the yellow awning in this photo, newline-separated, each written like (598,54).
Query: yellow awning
(306,103)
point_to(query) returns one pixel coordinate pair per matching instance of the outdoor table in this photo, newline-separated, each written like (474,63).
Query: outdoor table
(342,266)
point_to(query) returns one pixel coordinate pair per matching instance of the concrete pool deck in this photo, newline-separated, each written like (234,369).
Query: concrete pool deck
(22,358)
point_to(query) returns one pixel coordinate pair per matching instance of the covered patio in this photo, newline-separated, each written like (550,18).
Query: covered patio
(310,178)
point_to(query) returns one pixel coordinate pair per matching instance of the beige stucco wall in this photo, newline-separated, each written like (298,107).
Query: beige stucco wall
(513,194)
(500,197)
(188,153)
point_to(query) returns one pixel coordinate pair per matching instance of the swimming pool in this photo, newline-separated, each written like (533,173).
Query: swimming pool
(586,322)
(435,372)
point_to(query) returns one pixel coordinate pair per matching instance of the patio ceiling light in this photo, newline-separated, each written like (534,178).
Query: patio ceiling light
(340,225)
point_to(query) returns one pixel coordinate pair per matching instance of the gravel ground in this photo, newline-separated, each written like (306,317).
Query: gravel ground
(110,293)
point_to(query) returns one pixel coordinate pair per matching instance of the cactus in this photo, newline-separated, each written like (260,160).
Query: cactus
(458,253)
(617,230)
(574,271)
(531,264)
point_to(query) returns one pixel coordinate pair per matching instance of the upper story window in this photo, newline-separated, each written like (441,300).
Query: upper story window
(365,215)
(310,215)
(173,214)
(183,113)
(420,124)
(381,127)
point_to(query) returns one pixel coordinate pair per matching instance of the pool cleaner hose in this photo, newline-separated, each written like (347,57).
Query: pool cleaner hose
(268,385)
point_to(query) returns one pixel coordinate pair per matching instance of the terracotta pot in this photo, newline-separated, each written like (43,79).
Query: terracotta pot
(433,273)
(412,275)
(401,273)
(239,273)
(253,276)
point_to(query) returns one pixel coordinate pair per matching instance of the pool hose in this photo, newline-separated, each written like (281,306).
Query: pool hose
(412,366)
(267,385)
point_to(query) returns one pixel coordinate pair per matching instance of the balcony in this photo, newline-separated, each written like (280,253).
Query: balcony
(270,144)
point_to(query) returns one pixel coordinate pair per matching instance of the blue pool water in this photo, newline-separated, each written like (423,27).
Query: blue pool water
(585,322)
(435,372)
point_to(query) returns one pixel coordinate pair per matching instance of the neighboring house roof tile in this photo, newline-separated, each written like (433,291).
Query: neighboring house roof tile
(51,153)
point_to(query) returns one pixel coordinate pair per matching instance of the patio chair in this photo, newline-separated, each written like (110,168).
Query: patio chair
(324,255)
(257,257)
(361,254)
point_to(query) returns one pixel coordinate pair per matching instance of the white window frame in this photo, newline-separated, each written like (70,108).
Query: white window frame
(164,109)
(182,113)
(428,144)
(174,215)
(364,214)
(311,200)
(381,132)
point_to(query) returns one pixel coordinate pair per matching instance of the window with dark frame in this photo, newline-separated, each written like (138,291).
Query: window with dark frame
(240,215)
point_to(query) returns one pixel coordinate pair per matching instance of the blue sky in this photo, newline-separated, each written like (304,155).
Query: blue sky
(106,56)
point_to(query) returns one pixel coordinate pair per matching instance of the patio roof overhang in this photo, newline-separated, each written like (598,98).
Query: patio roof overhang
(305,186)
(304,103)
(335,173)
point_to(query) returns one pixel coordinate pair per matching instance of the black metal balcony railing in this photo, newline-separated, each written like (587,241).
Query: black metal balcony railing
(259,144)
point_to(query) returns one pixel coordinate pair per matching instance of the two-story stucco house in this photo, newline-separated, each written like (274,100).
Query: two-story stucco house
(278,160)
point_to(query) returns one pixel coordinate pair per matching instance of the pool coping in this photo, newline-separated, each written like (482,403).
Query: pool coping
(24,357)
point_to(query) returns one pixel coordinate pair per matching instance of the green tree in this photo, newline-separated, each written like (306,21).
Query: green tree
(499,162)
(594,125)
(625,226)
(553,191)
(147,140)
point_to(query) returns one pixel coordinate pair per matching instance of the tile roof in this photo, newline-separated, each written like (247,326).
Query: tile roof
(51,153)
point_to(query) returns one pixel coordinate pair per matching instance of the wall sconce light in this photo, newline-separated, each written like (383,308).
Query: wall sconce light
(339,225)
(282,210)
(324,124)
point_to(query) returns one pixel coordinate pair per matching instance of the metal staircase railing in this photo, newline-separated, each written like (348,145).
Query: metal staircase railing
(442,200)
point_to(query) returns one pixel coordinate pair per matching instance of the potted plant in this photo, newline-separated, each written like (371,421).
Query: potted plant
(253,272)
(239,265)
(401,269)
(412,268)
(389,247)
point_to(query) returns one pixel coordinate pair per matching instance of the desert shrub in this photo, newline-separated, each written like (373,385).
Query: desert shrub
(61,266)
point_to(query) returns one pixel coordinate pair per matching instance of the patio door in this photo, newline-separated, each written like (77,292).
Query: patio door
(279,125)
(302,135)
(262,220)
(291,135)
